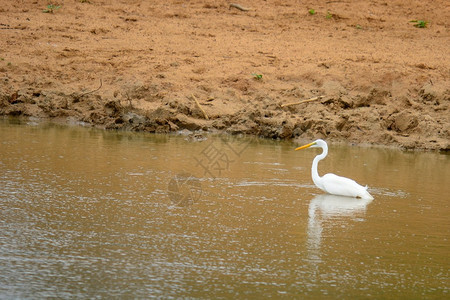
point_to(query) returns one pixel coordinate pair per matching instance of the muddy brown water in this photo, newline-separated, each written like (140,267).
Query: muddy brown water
(87,213)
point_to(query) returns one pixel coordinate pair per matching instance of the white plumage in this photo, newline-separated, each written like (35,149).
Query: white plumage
(331,183)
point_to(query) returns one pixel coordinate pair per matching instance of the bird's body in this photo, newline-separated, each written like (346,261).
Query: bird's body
(331,183)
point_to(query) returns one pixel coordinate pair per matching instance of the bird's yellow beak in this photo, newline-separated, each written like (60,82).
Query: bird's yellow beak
(305,146)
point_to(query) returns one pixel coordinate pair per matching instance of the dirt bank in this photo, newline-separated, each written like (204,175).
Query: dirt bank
(142,65)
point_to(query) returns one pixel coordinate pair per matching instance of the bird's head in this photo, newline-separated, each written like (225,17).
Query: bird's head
(316,144)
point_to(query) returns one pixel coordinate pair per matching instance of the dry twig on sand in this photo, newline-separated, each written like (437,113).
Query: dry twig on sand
(303,101)
(238,6)
(84,94)
(198,104)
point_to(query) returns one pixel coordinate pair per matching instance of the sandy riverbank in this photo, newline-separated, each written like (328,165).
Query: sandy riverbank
(138,65)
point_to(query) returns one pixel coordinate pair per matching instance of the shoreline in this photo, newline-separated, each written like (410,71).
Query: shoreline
(197,135)
(164,66)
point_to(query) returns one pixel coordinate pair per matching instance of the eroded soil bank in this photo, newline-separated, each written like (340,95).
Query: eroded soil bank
(163,66)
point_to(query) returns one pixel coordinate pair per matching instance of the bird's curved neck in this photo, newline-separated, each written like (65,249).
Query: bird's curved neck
(315,174)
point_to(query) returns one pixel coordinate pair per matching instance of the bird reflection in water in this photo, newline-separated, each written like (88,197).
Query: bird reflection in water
(329,207)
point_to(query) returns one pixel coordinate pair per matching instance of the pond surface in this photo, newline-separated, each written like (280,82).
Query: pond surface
(87,213)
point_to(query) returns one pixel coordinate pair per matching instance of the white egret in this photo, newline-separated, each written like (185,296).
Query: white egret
(331,183)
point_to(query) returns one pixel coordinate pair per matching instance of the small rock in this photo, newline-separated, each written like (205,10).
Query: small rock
(405,121)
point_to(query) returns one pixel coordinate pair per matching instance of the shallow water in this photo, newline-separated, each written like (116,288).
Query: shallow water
(88,213)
